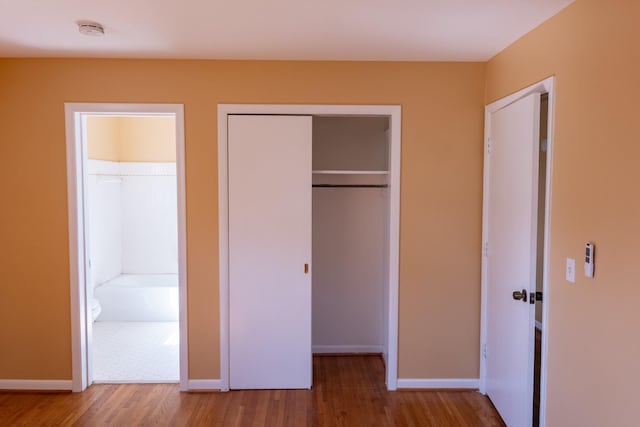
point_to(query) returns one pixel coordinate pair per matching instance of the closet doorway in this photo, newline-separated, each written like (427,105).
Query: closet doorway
(293,178)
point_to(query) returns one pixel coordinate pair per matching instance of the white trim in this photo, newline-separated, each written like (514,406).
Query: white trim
(310,109)
(348,172)
(147,168)
(395,127)
(204,385)
(76,168)
(111,168)
(135,382)
(64,385)
(76,258)
(394,114)
(438,383)
(223,251)
(103,167)
(181,174)
(551,90)
(347,349)
(538,325)
(545,86)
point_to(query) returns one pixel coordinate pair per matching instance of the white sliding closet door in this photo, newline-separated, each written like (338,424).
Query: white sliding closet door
(269,245)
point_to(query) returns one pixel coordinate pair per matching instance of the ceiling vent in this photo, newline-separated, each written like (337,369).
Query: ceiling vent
(91,29)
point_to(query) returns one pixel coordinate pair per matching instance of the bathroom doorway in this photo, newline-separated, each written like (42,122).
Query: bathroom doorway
(130,317)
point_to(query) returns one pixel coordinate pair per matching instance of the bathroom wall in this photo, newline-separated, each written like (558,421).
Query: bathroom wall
(105,223)
(149,218)
(103,136)
(131,139)
(132,204)
(147,139)
(132,219)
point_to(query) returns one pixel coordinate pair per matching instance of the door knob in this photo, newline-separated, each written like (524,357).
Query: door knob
(520,295)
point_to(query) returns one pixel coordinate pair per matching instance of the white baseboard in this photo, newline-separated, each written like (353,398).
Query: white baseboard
(35,385)
(428,383)
(135,382)
(204,385)
(538,325)
(319,349)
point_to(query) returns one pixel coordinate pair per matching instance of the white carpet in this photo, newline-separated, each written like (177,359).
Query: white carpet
(135,351)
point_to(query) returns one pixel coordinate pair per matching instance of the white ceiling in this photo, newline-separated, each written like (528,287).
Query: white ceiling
(414,30)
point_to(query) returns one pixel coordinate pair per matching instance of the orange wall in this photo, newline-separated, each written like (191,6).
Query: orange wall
(441,194)
(594,349)
(131,139)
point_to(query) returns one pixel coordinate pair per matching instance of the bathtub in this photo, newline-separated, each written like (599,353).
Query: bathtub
(138,298)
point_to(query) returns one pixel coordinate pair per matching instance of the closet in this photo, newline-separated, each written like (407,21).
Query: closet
(349,198)
(308,243)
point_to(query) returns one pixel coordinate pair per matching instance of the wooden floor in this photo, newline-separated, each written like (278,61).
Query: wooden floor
(348,391)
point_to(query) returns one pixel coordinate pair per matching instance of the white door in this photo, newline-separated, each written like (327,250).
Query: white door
(269,246)
(511,264)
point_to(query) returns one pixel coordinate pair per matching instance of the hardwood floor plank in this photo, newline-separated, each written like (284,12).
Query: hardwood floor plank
(348,391)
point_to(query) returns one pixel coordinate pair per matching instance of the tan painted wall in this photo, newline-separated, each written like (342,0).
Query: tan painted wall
(442,122)
(131,139)
(147,139)
(103,138)
(593,341)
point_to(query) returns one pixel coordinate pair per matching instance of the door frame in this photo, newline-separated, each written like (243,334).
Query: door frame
(81,335)
(545,86)
(393,112)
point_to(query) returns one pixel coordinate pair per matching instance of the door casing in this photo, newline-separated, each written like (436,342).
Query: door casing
(544,86)
(393,112)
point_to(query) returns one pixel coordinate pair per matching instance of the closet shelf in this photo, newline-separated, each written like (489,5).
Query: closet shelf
(349,172)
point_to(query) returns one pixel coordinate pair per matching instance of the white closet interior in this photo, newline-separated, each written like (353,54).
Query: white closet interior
(350,234)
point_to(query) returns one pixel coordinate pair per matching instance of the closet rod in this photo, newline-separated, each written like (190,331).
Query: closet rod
(350,185)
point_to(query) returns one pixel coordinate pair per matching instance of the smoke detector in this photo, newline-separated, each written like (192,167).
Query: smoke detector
(91,29)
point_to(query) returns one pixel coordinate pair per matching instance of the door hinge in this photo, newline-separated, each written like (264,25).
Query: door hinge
(489,146)
(485,249)
(484,351)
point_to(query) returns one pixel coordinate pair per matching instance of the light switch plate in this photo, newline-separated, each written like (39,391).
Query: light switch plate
(570,272)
